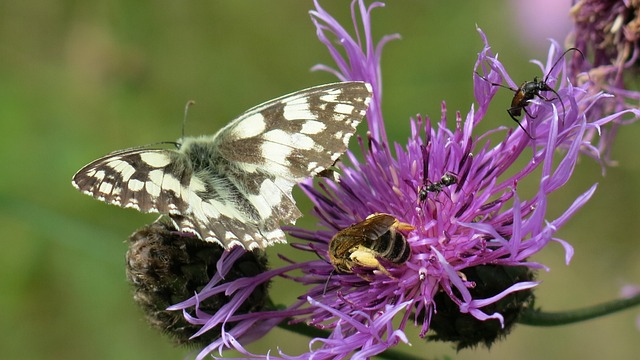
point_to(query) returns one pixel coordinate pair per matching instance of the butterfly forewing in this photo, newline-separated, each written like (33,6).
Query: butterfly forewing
(235,187)
(297,135)
(148,180)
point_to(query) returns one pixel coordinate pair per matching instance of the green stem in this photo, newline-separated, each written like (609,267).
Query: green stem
(303,329)
(313,332)
(538,318)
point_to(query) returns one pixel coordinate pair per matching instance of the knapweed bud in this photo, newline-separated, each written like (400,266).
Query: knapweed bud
(449,324)
(166,267)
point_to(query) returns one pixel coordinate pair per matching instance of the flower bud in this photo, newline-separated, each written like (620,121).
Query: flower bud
(449,324)
(166,267)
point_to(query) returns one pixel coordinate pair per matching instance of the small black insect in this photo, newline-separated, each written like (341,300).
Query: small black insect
(530,89)
(428,186)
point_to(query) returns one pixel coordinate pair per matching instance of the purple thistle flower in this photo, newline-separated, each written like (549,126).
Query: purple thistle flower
(478,220)
(362,60)
(608,33)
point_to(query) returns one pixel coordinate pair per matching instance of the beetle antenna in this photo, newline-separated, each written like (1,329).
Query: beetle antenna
(549,88)
(564,110)
(560,58)
(519,123)
(494,84)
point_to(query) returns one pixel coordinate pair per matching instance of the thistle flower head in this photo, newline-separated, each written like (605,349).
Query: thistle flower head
(457,191)
(608,30)
(608,33)
(164,267)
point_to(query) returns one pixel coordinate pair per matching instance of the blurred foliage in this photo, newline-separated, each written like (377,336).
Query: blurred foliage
(79,79)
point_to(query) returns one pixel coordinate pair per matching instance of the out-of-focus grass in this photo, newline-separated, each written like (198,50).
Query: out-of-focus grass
(80,79)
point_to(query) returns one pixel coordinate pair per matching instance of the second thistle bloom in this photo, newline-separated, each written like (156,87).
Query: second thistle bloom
(608,33)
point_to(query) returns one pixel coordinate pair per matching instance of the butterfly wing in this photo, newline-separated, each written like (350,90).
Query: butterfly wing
(298,135)
(148,180)
(164,181)
(235,187)
(275,145)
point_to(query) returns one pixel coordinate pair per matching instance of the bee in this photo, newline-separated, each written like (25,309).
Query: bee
(523,95)
(363,244)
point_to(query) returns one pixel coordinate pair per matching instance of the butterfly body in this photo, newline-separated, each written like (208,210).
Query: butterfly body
(234,187)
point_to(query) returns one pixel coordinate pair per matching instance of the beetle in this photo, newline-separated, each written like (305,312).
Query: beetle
(529,90)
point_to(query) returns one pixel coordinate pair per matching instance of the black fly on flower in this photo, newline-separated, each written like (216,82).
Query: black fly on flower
(470,243)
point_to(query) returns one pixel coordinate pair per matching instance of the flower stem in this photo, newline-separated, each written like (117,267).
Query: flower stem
(538,318)
(303,329)
(310,331)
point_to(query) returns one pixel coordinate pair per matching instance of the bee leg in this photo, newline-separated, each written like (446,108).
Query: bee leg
(403,226)
(367,259)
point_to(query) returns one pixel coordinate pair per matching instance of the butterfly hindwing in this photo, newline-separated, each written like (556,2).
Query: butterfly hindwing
(234,187)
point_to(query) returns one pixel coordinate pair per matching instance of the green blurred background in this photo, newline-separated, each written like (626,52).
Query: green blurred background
(80,79)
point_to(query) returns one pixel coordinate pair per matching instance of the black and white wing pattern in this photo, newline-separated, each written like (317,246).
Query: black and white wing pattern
(234,187)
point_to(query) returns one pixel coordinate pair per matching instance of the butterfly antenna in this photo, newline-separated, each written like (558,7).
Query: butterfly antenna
(186,113)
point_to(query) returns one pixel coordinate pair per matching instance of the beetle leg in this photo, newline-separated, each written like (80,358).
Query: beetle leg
(513,109)
(528,113)
(403,226)
(546,99)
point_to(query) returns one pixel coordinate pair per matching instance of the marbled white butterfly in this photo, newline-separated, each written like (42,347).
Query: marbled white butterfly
(234,187)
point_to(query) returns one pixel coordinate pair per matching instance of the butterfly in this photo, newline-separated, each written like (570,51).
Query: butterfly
(234,188)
